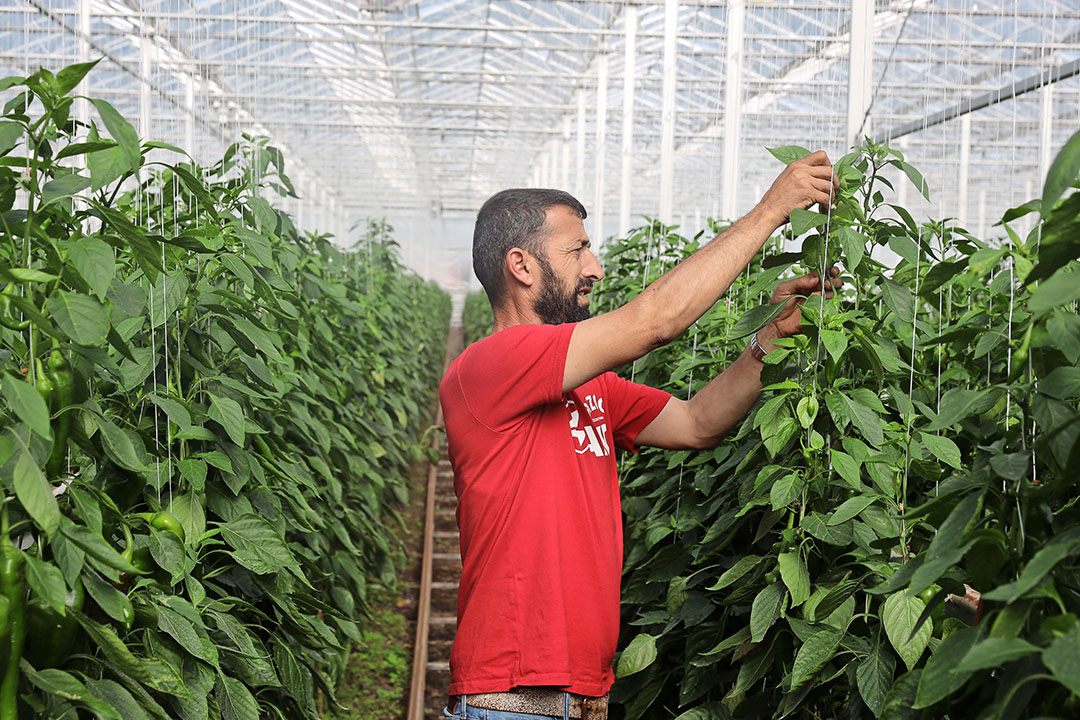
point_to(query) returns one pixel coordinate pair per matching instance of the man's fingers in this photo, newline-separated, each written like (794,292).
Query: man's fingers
(817,158)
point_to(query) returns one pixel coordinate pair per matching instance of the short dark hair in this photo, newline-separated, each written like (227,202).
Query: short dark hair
(513,218)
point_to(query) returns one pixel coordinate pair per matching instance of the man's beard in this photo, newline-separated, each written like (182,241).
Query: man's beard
(553,306)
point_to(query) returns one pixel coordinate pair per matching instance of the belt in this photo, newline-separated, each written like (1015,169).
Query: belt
(537,701)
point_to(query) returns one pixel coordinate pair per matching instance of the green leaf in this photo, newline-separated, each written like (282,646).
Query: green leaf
(916,179)
(120,445)
(93,259)
(850,508)
(72,75)
(10,135)
(956,404)
(638,655)
(795,576)
(258,545)
(1042,562)
(121,131)
(766,609)
(106,166)
(866,420)
(47,582)
(709,711)
(788,154)
(28,404)
(230,415)
(802,221)
(167,551)
(899,299)
(835,342)
(994,651)
(97,547)
(899,615)
(113,693)
(35,494)
(814,653)
(153,672)
(741,567)
(785,490)
(174,409)
(853,245)
(1062,287)
(112,602)
(847,467)
(1062,383)
(939,678)
(942,448)
(59,683)
(874,677)
(62,187)
(82,318)
(1062,659)
(1062,174)
(753,320)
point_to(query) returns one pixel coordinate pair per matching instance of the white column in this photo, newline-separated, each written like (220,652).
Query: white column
(732,107)
(579,180)
(189,116)
(145,109)
(982,214)
(564,179)
(1046,131)
(629,73)
(82,107)
(860,72)
(965,166)
(601,142)
(667,116)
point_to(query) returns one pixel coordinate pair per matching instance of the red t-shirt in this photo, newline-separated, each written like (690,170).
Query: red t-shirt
(539,512)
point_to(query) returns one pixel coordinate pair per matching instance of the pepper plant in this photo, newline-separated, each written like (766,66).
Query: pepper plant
(208,420)
(892,531)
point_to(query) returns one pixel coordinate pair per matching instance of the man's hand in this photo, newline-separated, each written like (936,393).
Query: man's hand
(793,294)
(800,185)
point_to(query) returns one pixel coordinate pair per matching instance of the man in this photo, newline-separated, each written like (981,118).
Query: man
(532,414)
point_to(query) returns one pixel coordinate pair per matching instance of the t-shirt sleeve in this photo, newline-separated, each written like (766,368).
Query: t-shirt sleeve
(632,408)
(505,376)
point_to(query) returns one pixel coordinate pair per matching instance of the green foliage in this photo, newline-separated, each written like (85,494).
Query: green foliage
(242,404)
(476,317)
(922,434)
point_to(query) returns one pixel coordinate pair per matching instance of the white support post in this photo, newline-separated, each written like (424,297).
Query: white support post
(860,70)
(145,109)
(601,142)
(667,113)
(629,68)
(1046,132)
(82,106)
(579,178)
(564,179)
(965,167)
(189,114)
(982,213)
(732,107)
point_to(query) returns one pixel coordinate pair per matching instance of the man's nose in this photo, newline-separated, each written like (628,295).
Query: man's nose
(593,270)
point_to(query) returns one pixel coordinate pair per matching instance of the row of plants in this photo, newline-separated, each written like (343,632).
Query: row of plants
(476,316)
(893,531)
(209,416)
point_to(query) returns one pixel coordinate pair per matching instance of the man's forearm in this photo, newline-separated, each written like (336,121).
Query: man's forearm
(683,294)
(724,402)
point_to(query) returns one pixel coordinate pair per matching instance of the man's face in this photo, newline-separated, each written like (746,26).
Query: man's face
(568,272)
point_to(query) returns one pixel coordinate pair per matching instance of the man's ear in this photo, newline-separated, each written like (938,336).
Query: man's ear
(520,267)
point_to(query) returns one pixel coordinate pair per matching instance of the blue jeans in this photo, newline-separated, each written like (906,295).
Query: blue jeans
(464,711)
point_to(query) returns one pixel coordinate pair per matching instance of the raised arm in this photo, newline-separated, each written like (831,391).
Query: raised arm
(676,299)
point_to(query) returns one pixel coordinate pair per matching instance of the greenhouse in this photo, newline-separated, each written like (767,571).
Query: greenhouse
(507,359)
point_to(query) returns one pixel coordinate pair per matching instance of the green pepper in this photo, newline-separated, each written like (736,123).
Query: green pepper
(44,384)
(163,521)
(12,587)
(6,317)
(63,379)
(1019,358)
(53,633)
